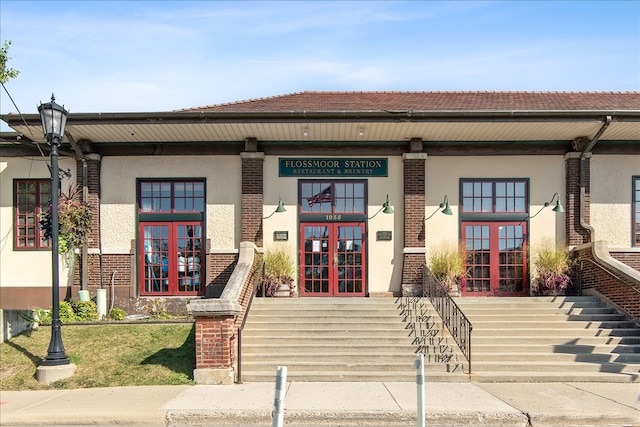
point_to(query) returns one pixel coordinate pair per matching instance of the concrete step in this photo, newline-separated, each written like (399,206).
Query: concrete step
(564,377)
(551,339)
(554,348)
(555,366)
(333,339)
(400,364)
(546,317)
(534,357)
(314,347)
(553,324)
(359,376)
(569,332)
(318,333)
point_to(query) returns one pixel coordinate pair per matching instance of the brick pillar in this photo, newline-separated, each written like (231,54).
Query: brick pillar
(252,202)
(414,211)
(576,234)
(91,167)
(215,351)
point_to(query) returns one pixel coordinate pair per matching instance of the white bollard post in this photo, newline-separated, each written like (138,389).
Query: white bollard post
(420,386)
(101,303)
(278,404)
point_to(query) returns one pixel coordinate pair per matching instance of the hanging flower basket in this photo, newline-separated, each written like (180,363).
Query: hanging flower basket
(74,221)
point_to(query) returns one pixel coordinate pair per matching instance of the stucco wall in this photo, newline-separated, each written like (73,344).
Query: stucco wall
(545,174)
(384,270)
(223,184)
(26,268)
(611,195)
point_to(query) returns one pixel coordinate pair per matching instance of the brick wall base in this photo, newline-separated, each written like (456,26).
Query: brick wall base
(615,287)
(412,284)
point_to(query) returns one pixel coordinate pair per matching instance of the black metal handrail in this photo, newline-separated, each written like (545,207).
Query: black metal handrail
(254,281)
(453,318)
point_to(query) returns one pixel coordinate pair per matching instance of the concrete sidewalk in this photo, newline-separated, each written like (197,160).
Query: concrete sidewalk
(334,404)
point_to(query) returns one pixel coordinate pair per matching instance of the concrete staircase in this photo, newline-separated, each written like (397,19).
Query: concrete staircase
(341,339)
(548,339)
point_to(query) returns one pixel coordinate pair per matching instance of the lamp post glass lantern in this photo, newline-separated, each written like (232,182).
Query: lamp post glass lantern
(54,119)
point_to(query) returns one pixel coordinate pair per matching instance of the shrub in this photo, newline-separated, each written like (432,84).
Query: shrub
(85,311)
(117,314)
(156,307)
(66,312)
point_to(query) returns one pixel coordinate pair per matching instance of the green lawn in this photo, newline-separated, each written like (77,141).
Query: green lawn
(106,355)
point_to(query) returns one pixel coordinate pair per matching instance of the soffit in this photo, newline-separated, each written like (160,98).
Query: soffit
(152,132)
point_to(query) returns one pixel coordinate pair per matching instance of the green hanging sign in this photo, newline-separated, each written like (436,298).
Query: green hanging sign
(333,167)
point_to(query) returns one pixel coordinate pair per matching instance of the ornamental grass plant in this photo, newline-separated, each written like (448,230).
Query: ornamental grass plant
(447,263)
(279,270)
(551,271)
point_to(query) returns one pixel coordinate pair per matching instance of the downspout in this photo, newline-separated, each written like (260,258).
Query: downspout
(85,197)
(583,223)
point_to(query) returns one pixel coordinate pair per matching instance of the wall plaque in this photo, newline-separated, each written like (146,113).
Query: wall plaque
(280,236)
(383,235)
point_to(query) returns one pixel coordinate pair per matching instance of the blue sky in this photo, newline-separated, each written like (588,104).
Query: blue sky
(122,56)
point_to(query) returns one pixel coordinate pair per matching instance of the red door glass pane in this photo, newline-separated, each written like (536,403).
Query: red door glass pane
(512,265)
(496,259)
(332,260)
(172,259)
(155,271)
(477,246)
(314,279)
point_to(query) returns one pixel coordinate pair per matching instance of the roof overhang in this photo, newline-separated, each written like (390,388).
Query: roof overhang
(437,127)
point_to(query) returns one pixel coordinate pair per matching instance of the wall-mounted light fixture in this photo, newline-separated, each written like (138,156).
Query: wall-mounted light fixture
(279,209)
(361,131)
(305,131)
(386,208)
(445,205)
(557,208)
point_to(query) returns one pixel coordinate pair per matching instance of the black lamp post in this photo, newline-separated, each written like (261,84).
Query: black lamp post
(54,118)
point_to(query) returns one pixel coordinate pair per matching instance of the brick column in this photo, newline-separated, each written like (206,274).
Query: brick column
(91,167)
(252,202)
(576,234)
(215,349)
(414,211)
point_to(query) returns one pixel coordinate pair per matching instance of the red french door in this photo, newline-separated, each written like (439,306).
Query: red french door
(496,258)
(332,259)
(171,258)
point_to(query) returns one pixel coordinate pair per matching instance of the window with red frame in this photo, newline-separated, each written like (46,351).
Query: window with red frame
(171,223)
(32,199)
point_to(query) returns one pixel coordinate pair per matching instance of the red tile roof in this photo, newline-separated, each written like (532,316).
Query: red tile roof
(434,101)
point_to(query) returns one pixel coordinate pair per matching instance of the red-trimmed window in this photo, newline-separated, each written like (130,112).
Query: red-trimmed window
(171,223)
(494,196)
(32,199)
(636,211)
(171,196)
(337,197)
